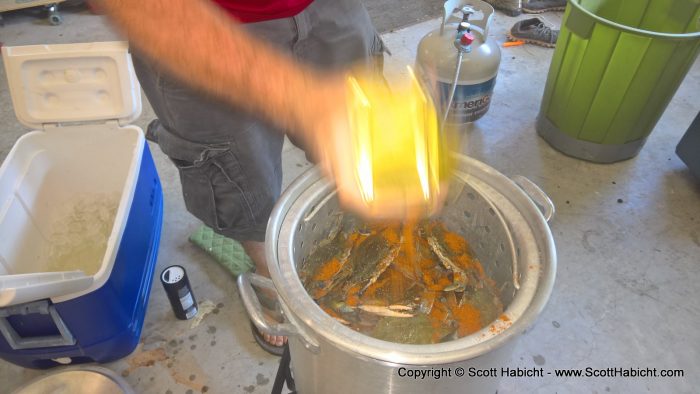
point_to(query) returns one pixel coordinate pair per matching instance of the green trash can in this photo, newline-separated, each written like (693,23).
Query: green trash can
(615,68)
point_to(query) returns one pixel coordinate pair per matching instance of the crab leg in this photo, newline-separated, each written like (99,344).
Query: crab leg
(398,307)
(459,274)
(383,311)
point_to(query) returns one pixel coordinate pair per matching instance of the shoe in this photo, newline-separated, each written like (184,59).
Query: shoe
(508,7)
(533,31)
(540,6)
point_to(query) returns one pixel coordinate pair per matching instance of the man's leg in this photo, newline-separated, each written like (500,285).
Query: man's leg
(338,35)
(329,35)
(229,163)
(256,251)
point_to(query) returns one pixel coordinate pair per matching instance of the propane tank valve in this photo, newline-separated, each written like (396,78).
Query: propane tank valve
(468,10)
(463,43)
(466,39)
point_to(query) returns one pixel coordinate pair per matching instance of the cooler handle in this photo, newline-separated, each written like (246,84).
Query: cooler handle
(65,338)
(255,310)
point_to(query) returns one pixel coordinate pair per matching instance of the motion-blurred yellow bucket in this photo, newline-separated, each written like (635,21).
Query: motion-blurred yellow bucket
(399,153)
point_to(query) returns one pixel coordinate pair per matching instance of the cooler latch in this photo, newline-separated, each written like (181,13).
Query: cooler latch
(64,338)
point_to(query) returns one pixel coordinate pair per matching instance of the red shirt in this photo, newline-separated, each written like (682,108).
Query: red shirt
(248,11)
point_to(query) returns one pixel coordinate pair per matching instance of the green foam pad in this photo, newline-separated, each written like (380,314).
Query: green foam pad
(228,252)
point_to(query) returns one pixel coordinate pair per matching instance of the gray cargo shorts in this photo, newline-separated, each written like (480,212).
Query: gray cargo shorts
(230,162)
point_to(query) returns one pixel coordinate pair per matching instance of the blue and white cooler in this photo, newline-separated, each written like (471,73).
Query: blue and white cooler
(81,208)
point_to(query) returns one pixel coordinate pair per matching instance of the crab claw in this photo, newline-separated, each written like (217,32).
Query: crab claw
(459,283)
(458,287)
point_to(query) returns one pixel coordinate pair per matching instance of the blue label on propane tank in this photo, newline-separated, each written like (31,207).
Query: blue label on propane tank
(470,102)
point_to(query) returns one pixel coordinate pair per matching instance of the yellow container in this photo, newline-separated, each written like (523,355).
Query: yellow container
(398,151)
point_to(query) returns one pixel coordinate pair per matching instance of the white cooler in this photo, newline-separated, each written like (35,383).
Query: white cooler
(80,208)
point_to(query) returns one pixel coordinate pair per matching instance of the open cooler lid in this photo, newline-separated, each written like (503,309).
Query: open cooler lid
(65,83)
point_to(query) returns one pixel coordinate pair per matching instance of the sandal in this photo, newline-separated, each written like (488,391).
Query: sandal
(268,347)
(274,313)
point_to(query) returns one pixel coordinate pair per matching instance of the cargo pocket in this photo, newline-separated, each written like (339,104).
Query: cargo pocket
(213,192)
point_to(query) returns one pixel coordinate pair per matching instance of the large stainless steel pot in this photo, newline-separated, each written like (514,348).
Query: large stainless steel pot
(507,232)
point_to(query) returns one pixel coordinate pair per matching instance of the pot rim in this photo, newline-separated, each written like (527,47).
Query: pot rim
(312,322)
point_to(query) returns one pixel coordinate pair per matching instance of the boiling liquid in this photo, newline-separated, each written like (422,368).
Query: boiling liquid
(79,232)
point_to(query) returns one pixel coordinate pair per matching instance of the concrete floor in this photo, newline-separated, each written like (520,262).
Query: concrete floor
(388,15)
(629,273)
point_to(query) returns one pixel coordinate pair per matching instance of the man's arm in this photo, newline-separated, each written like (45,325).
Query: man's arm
(196,42)
(199,44)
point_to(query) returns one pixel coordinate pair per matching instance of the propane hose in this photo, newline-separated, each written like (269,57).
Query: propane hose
(453,89)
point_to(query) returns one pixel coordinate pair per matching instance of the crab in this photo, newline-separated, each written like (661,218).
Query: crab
(415,330)
(319,271)
(400,283)
(486,300)
(368,261)
(463,277)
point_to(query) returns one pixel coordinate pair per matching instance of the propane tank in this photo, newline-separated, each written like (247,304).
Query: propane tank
(458,63)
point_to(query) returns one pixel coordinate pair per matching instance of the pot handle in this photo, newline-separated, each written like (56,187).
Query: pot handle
(541,200)
(255,310)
